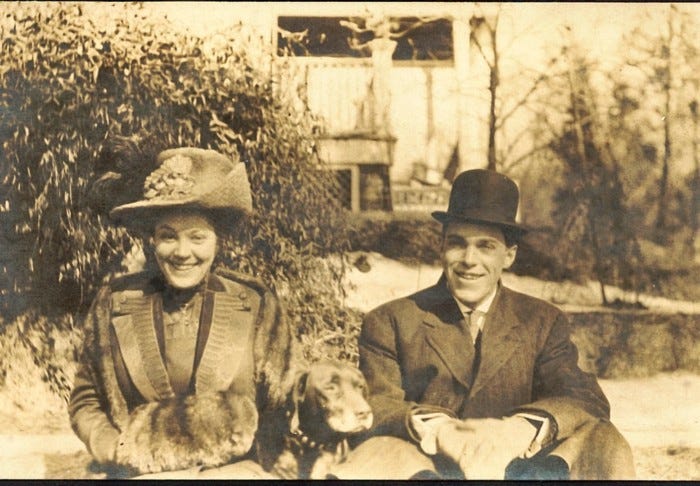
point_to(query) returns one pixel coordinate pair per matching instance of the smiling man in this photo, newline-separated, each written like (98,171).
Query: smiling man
(469,379)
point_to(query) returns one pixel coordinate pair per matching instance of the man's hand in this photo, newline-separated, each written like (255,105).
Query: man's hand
(484,447)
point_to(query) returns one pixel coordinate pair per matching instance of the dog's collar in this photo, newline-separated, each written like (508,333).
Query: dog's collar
(301,442)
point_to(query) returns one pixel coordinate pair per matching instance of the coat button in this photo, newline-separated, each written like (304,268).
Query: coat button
(243,295)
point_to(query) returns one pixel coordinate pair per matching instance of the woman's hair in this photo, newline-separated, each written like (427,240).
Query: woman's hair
(224,221)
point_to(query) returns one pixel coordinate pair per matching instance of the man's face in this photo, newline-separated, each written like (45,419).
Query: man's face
(473,258)
(185,245)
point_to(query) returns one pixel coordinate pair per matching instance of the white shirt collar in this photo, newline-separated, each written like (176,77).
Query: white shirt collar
(482,306)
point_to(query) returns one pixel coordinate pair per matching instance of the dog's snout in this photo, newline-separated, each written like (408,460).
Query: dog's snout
(365,418)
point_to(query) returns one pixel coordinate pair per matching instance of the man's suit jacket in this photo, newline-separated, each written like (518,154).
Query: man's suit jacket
(413,352)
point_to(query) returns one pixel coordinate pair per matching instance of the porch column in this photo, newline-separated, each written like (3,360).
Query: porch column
(471,152)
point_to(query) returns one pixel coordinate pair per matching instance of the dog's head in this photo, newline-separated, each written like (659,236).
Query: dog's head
(330,399)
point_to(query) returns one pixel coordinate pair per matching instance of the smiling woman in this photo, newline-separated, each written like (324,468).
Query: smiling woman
(185,245)
(182,362)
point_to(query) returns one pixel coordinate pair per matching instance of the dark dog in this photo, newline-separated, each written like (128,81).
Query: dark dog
(328,403)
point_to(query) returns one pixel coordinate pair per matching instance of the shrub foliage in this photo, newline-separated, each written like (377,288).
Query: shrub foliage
(84,107)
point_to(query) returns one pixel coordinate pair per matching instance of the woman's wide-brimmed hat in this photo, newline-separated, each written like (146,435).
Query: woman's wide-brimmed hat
(483,196)
(191,177)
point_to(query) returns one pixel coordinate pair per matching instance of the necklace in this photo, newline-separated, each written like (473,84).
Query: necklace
(185,314)
(179,322)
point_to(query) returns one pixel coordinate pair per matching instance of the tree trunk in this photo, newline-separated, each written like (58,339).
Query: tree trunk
(695,184)
(493,83)
(382,51)
(660,225)
(493,93)
(602,293)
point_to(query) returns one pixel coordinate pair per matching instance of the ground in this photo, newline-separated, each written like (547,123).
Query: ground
(659,415)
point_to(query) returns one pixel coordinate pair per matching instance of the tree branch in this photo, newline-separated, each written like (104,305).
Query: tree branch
(513,163)
(502,119)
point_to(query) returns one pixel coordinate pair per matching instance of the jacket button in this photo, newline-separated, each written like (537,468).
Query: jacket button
(243,295)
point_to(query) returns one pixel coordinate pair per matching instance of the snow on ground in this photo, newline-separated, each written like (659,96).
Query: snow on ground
(661,410)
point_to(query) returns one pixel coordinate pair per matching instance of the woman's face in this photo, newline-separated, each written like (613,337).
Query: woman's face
(185,245)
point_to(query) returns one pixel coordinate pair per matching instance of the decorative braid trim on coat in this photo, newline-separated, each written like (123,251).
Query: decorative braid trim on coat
(275,351)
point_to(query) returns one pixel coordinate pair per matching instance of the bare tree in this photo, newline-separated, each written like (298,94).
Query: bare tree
(688,34)
(596,233)
(655,56)
(485,35)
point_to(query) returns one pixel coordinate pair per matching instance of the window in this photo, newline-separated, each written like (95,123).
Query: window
(325,36)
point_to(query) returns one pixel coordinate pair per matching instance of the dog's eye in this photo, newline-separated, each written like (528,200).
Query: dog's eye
(359,384)
(333,384)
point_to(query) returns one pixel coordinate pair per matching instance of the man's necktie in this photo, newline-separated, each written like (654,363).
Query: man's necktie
(471,319)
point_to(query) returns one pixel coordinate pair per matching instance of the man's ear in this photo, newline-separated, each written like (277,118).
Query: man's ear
(511,251)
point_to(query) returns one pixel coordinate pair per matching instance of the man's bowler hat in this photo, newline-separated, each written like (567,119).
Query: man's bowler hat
(483,196)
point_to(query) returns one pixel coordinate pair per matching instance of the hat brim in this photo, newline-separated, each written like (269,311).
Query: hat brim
(446,217)
(220,199)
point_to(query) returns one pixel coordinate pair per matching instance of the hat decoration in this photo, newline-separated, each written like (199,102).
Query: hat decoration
(171,180)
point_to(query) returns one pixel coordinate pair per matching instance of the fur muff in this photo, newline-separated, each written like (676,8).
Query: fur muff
(208,430)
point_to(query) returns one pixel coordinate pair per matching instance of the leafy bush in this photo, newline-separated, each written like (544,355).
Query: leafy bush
(410,237)
(82,100)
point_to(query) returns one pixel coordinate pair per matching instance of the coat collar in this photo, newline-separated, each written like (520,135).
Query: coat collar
(443,319)
(443,322)
(226,324)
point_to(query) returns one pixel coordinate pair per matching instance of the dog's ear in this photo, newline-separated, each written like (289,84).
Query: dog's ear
(298,393)
(300,385)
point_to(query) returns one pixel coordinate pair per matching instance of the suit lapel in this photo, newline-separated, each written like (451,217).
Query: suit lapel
(443,321)
(500,339)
